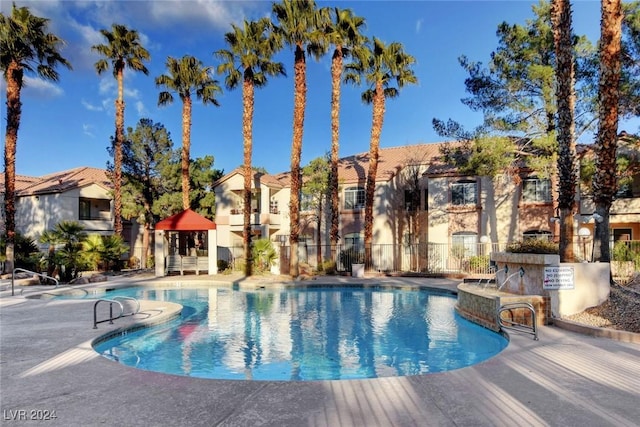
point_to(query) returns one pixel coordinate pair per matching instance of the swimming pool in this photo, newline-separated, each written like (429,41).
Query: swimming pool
(304,334)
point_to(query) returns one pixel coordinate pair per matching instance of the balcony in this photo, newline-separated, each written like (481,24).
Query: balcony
(272,219)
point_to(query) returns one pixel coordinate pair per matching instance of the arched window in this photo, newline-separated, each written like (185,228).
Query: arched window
(465,242)
(353,240)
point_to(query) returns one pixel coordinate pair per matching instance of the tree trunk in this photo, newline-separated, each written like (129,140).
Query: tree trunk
(374,148)
(247,133)
(186,150)
(145,245)
(117,154)
(319,237)
(605,182)
(336,72)
(14,111)
(565,96)
(299,102)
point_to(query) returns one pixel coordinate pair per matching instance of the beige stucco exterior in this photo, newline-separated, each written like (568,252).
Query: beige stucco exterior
(500,213)
(270,208)
(38,213)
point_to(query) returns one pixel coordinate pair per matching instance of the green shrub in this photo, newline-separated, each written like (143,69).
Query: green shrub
(458,251)
(479,263)
(329,266)
(351,256)
(533,246)
(26,252)
(223,265)
(622,251)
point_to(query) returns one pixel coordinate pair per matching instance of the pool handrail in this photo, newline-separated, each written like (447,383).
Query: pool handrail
(112,301)
(13,275)
(521,327)
(111,318)
(136,311)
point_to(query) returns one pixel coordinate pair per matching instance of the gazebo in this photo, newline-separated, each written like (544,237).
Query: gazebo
(186,242)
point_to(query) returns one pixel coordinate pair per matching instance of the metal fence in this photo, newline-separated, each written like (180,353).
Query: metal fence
(426,258)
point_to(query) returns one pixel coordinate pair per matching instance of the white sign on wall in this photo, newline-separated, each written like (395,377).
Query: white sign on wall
(558,278)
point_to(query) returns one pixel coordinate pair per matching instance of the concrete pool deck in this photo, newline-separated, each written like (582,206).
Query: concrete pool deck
(47,364)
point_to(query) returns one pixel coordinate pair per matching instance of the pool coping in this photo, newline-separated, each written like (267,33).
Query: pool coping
(565,378)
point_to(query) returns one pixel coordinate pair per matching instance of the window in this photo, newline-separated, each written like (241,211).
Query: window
(426,199)
(463,193)
(621,234)
(353,240)
(354,198)
(536,190)
(273,206)
(85,209)
(307,202)
(408,242)
(537,234)
(411,200)
(464,244)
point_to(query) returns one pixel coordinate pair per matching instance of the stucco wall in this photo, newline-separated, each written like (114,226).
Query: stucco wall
(524,274)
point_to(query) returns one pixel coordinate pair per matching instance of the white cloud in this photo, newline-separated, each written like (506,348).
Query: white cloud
(107,103)
(39,88)
(212,12)
(88,130)
(107,85)
(141,109)
(92,107)
(419,25)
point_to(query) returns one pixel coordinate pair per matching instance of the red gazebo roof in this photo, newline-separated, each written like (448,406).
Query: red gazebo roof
(186,220)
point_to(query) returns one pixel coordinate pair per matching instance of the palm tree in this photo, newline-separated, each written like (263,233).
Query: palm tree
(565,96)
(187,76)
(380,65)
(25,46)
(298,24)
(72,235)
(605,182)
(248,61)
(344,34)
(123,49)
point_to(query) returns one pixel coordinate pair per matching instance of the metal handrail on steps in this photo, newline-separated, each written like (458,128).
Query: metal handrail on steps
(509,324)
(112,301)
(13,275)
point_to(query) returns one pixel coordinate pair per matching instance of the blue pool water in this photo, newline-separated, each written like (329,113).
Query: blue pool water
(304,334)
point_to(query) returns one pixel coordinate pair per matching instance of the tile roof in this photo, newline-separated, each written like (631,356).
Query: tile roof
(354,169)
(275,181)
(59,182)
(390,161)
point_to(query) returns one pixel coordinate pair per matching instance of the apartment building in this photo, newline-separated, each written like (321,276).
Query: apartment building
(419,199)
(82,194)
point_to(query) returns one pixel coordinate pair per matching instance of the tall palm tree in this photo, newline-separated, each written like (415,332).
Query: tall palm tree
(565,96)
(298,24)
(605,182)
(248,62)
(344,33)
(25,46)
(381,65)
(123,49)
(187,76)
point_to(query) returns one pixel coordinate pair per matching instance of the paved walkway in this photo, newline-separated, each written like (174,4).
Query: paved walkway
(47,364)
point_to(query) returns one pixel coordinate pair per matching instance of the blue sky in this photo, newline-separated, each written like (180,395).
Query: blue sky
(69,123)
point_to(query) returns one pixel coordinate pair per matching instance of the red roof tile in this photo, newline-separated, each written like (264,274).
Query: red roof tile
(60,181)
(186,220)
